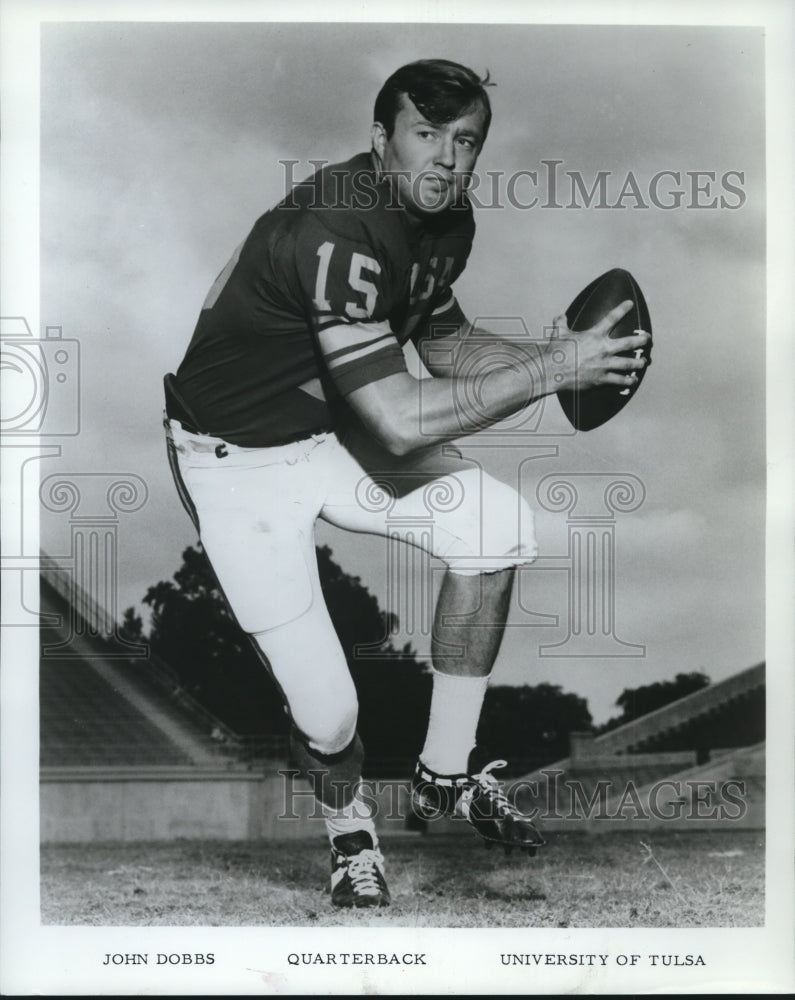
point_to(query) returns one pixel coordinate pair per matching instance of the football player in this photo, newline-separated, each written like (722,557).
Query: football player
(294,402)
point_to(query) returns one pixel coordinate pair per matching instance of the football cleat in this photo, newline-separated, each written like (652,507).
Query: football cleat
(478,798)
(357,872)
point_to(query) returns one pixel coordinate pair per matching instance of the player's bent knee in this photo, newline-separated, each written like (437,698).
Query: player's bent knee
(325,713)
(309,665)
(502,537)
(333,741)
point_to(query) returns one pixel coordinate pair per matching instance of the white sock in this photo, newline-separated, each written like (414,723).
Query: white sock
(351,818)
(455,710)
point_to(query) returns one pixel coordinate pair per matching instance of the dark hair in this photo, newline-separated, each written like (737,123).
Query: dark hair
(440,89)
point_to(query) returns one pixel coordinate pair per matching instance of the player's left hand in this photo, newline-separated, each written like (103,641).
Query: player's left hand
(601,359)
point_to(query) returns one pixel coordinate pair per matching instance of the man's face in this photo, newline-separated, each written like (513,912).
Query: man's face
(430,163)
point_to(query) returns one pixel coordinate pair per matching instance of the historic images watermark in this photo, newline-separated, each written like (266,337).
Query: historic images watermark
(549,186)
(546,796)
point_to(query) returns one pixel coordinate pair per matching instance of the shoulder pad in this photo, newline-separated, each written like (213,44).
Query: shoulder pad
(349,201)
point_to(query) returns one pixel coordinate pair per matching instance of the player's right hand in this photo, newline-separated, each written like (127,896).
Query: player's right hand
(597,360)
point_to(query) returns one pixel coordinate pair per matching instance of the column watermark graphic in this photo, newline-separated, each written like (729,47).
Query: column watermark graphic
(409,540)
(591,501)
(41,406)
(93,502)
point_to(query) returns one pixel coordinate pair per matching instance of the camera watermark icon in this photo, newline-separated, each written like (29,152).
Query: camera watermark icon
(41,381)
(39,398)
(474,357)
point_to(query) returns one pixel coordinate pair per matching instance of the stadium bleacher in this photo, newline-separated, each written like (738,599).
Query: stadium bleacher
(98,709)
(126,753)
(86,722)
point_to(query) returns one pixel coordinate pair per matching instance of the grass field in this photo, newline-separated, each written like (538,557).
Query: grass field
(676,880)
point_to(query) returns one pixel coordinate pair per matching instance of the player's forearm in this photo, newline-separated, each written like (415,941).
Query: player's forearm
(453,407)
(405,414)
(473,348)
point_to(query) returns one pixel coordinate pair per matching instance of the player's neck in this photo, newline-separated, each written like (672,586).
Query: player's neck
(414,220)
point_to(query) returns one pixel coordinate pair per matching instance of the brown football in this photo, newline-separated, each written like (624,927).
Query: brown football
(593,407)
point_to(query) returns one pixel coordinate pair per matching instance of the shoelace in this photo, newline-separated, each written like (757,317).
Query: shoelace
(362,868)
(487,782)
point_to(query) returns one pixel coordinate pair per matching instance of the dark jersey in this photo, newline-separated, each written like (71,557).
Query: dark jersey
(317,302)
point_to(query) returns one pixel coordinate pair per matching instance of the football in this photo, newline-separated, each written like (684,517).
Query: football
(594,407)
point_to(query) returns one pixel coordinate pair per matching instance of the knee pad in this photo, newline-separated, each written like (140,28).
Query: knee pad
(325,719)
(499,533)
(336,738)
(309,756)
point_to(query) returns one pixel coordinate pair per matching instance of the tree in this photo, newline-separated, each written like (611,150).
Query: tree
(635,702)
(193,630)
(394,688)
(530,725)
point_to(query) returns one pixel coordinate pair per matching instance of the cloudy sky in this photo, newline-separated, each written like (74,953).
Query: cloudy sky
(161,143)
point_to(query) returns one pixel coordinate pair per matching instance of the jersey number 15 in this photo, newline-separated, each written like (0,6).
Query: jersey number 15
(360,263)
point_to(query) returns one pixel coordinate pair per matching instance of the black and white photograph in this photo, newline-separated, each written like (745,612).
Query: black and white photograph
(397,516)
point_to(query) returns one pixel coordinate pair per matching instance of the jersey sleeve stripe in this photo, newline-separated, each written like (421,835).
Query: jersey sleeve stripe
(360,353)
(377,364)
(340,337)
(356,353)
(333,355)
